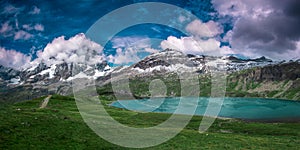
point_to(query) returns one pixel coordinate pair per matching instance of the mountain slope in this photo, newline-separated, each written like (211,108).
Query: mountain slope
(245,73)
(39,80)
(276,81)
(261,79)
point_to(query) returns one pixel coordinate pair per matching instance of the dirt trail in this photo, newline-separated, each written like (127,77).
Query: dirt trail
(45,102)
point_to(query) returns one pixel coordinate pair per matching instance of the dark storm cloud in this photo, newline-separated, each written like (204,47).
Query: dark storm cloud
(277,33)
(271,29)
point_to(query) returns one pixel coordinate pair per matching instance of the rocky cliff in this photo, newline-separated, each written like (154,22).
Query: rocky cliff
(246,73)
(275,81)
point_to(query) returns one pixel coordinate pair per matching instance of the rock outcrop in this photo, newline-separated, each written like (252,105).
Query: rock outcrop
(56,78)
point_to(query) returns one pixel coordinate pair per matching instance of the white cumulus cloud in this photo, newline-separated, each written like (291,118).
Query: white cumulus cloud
(124,57)
(151,50)
(190,45)
(204,39)
(13,59)
(130,49)
(77,49)
(200,29)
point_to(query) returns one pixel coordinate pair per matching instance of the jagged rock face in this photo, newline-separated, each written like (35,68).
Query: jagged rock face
(278,72)
(8,73)
(158,63)
(101,66)
(29,72)
(172,60)
(63,71)
(281,72)
(42,79)
(56,77)
(164,58)
(169,61)
(58,72)
(261,59)
(150,62)
(238,60)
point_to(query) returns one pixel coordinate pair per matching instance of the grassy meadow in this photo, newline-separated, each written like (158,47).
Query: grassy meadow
(60,126)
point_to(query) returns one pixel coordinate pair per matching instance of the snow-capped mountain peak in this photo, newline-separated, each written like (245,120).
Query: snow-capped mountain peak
(57,77)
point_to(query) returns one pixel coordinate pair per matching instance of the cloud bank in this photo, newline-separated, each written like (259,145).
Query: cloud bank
(191,45)
(77,49)
(124,57)
(130,49)
(200,29)
(269,27)
(203,39)
(13,59)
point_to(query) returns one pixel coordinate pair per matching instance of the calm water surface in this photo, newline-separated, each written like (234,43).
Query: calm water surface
(242,108)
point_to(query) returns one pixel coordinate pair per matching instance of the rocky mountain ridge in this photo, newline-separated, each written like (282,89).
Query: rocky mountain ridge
(172,61)
(43,79)
(274,81)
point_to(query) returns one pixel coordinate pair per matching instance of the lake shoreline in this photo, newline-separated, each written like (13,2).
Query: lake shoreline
(246,109)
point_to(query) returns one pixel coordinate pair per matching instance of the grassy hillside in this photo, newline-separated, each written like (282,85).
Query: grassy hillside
(60,126)
(286,89)
(275,81)
(236,86)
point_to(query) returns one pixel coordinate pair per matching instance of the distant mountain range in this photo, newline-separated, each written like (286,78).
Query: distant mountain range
(42,79)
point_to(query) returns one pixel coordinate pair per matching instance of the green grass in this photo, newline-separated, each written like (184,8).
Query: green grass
(291,93)
(139,87)
(255,85)
(272,93)
(60,126)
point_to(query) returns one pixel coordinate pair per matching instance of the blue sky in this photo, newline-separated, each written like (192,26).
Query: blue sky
(241,27)
(67,18)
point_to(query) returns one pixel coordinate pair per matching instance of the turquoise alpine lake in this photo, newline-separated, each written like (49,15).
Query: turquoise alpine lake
(241,108)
